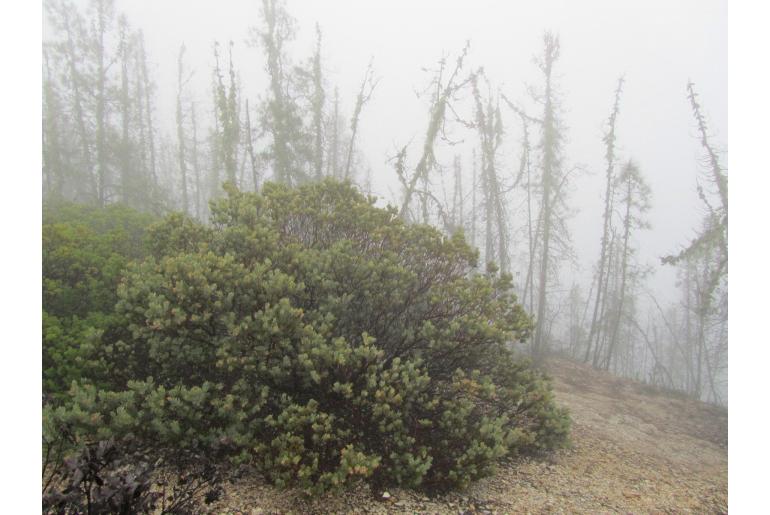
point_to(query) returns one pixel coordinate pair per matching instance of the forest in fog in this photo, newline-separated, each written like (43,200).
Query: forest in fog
(103,143)
(284,262)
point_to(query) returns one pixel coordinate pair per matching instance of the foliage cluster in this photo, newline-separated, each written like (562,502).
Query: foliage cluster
(85,250)
(321,339)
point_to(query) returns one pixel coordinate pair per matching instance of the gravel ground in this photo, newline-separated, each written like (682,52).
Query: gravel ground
(634,450)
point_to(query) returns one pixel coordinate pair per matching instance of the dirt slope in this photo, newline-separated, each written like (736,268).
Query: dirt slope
(634,451)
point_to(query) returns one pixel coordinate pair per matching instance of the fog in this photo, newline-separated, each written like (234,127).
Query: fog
(354,256)
(658,47)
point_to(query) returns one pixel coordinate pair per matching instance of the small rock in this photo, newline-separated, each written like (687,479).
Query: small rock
(400,504)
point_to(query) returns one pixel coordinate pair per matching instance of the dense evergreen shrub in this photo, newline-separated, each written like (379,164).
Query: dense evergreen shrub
(313,335)
(85,250)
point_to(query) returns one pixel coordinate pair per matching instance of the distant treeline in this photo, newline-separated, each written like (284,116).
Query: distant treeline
(102,145)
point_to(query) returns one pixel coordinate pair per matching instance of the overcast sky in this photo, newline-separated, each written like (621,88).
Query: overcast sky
(658,45)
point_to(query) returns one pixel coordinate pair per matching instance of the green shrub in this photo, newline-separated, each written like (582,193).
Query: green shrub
(85,251)
(321,339)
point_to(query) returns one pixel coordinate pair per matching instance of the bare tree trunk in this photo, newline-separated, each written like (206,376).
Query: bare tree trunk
(718,175)
(215,145)
(438,112)
(332,166)
(77,98)
(196,167)
(473,201)
(362,98)
(528,283)
(148,114)
(550,138)
(272,40)
(52,154)
(139,113)
(125,107)
(101,108)
(651,347)
(609,140)
(318,107)
(486,189)
(489,126)
(458,203)
(250,150)
(623,275)
(181,81)
(688,329)
(603,319)
(233,120)
(636,202)
(526,168)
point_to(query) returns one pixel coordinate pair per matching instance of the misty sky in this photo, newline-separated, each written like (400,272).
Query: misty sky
(658,46)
